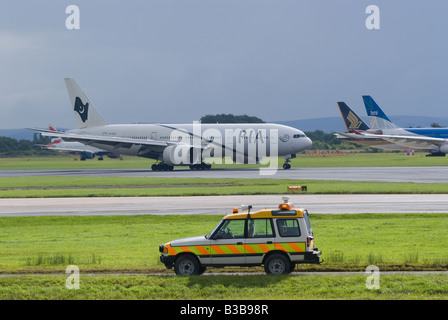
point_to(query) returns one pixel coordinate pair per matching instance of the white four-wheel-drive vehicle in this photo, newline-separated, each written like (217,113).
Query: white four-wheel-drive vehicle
(278,239)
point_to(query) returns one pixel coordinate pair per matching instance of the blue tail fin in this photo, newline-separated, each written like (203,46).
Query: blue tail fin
(378,119)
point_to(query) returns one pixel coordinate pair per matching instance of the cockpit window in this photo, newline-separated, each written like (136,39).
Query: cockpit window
(299,136)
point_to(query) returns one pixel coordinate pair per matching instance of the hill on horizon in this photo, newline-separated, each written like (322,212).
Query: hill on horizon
(327,125)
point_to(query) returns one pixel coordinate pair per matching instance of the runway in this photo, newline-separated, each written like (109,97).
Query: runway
(371,203)
(384,174)
(221,205)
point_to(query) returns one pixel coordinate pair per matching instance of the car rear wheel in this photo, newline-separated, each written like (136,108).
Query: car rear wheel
(277,264)
(187,265)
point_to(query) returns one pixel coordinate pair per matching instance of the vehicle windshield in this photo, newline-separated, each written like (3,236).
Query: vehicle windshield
(208,236)
(229,229)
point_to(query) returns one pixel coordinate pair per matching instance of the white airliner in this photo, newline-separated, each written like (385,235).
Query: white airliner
(434,140)
(181,144)
(78,148)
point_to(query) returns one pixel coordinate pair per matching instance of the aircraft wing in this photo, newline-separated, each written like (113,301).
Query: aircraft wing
(421,142)
(418,142)
(73,150)
(115,142)
(359,136)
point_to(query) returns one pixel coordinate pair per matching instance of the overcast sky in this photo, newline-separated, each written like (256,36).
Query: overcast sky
(174,61)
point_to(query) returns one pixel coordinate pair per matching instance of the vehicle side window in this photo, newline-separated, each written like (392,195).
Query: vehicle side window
(231,229)
(307,222)
(288,227)
(259,228)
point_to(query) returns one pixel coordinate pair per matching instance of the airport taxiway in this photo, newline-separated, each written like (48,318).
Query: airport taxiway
(221,205)
(436,174)
(369,203)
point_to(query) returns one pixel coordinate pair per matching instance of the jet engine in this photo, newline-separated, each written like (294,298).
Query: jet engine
(444,148)
(181,155)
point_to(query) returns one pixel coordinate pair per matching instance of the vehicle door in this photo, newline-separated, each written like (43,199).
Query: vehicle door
(291,238)
(259,240)
(227,243)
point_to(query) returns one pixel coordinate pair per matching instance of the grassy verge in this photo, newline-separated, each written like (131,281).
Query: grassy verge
(40,187)
(251,287)
(122,244)
(129,244)
(302,160)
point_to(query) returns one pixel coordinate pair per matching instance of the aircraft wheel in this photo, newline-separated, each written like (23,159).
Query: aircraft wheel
(286,166)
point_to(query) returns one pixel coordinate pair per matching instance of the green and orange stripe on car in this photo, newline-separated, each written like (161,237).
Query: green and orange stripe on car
(253,248)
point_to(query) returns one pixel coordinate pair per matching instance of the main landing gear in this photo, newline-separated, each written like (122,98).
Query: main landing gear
(202,166)
(161,166)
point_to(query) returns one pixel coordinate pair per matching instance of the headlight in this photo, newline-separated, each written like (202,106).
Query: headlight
(163,248)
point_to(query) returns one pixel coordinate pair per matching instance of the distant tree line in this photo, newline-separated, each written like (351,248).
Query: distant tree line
(329,141)
(10,147)
(230,118)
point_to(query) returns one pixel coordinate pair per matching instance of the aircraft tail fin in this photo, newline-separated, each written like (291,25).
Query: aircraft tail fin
(377,118)
(353,123)
(85,112)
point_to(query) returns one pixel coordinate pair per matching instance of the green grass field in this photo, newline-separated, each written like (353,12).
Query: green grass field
(237,288)
(130,243)
(117,244)
(302,160)
(58,186)
(121,244)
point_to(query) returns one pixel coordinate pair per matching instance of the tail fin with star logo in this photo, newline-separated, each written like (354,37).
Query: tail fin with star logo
(85,112)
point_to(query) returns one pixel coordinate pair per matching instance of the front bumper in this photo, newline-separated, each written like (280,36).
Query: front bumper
(167,260)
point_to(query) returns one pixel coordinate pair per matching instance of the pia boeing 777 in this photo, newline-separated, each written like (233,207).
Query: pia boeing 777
(181,144)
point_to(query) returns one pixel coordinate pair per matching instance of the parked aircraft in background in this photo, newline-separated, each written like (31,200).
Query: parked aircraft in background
(356,128)
(77,148)
(181,144)
(434,140)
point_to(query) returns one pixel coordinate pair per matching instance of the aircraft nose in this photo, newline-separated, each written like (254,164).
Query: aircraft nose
(308,142)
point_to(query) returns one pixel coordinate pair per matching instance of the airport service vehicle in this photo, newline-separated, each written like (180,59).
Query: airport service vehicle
(277,238)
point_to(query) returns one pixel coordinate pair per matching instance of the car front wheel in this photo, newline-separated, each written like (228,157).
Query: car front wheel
(187,265)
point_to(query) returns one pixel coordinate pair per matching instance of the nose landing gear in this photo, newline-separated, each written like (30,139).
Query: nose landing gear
(287,164)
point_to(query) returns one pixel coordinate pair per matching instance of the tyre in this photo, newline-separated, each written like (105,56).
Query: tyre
(187,265)
(277,263)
